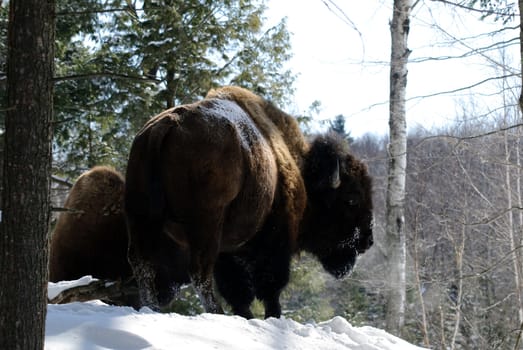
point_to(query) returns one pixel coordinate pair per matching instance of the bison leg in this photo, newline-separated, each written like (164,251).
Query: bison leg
(145,276)
(272,275)
(272,305)
(139,256)
(204,242)
(234,281)
(204,289)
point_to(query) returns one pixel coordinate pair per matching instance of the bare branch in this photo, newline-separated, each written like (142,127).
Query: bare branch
(471,137)
(493,218)
(105,75)
(66,210)
(338,12)
(90,12)
(341,15)
(61,181)
(472,9)
(463,88)
(473,51)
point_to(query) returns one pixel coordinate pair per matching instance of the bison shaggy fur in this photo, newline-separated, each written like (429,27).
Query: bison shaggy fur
(234,184)
(90,237)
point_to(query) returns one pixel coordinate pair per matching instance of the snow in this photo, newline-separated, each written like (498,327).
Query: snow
(95,325)
(56,288)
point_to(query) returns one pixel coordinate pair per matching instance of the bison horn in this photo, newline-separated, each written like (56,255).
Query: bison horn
(335,179)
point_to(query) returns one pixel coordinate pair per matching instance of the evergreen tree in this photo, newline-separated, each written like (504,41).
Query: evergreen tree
(338,125)
(120,62)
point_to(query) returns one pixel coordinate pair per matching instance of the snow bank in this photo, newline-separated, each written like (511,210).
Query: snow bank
(95,325)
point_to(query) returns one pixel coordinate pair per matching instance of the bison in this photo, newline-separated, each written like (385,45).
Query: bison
(232,181)
(91,237)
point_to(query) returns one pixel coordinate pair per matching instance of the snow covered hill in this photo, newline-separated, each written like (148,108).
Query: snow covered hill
(95,325)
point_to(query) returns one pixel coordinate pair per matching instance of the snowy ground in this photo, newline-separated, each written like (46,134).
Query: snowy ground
(95,325)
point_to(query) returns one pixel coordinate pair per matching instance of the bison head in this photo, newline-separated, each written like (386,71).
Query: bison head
(338,223)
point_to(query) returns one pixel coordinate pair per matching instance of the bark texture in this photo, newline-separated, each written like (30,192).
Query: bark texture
(520,5)
(26,182)
(397,164)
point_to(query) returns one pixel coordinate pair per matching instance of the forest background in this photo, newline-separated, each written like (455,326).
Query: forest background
(120,62)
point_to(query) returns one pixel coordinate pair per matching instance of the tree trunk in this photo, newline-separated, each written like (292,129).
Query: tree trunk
(512,233)
(397,164)
(416,262)
(459,250)
(520,4)
(27,168)
(519,199)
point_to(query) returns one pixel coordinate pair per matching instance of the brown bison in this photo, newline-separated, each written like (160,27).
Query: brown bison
(91,237)
(233,183)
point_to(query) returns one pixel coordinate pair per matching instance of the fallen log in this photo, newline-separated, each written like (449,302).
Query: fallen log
(112,292)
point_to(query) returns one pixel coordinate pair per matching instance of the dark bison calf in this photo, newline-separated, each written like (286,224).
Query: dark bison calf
(233,183)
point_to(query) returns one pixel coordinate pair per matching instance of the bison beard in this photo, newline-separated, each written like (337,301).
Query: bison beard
(233,187)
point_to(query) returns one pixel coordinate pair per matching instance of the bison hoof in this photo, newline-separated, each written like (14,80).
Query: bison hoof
(245,313)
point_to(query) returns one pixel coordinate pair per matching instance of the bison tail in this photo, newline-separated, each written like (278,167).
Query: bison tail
(145,195)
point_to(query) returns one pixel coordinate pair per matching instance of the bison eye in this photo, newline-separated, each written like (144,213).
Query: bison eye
(351,199)
(352,202)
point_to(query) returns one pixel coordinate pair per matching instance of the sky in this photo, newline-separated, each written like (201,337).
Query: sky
(342,61)
(95,326)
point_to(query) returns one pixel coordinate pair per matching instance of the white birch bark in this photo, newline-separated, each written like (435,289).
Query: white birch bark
(519,241)
(510,227)
(514,236)
(397,164)
(520,6)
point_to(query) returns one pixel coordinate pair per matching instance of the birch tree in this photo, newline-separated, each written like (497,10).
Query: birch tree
(397,164)
(520,6)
